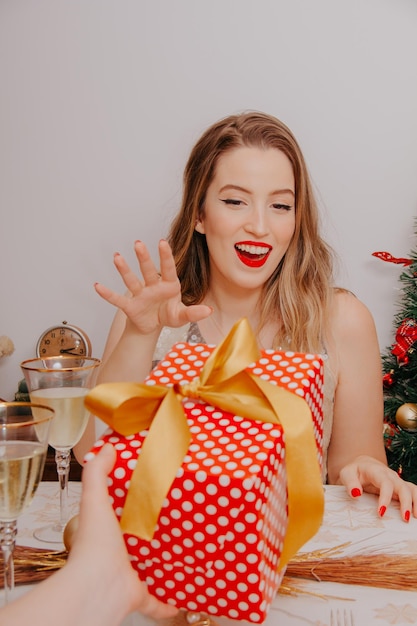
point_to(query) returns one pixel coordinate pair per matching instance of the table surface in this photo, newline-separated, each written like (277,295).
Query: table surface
(346,520)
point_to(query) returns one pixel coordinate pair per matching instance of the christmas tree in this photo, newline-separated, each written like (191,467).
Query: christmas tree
(400,376)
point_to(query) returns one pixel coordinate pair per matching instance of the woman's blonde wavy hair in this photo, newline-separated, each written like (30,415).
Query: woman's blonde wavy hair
(299,292)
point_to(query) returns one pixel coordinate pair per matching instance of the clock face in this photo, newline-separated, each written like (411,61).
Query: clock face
(63,340)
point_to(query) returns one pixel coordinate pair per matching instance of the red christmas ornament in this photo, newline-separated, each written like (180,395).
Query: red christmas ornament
(386,256)
(388,380)
(390,431)
(405,337)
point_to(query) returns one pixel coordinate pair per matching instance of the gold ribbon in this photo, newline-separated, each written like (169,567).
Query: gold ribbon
(225,383)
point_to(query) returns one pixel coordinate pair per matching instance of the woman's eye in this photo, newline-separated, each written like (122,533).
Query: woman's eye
(283,207)
(232,201)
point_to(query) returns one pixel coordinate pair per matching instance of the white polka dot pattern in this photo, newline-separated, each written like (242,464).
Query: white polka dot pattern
(221,529)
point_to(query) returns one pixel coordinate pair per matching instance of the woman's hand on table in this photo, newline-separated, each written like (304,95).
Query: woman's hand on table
(366,474)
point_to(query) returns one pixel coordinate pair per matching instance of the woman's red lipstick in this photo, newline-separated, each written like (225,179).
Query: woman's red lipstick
(251,253)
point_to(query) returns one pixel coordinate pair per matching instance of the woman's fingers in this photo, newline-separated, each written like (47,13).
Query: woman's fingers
(369,475)
(129,277)
(168,268)
(156,300)
(195,313)
(149,272)
(109,295)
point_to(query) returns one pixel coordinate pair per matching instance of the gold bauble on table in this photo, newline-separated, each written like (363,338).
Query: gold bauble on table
(69,532)
(406,417)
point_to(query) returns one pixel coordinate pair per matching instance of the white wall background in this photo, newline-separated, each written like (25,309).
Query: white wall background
(101,101)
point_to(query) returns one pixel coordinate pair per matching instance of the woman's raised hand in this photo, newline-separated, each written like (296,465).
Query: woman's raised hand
(154,301)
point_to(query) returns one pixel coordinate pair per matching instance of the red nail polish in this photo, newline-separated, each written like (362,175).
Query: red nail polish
(355,492)
(382,511)
(407,516)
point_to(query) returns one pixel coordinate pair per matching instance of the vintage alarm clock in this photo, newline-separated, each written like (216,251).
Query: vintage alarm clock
(63,339)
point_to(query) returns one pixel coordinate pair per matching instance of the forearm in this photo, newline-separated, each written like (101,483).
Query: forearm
(131,358)
(69,597)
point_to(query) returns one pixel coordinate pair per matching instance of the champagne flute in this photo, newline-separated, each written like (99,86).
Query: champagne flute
(24,428)
(61,382)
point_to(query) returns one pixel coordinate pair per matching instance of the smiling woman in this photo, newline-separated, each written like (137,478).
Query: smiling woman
(251,196)
(246,243)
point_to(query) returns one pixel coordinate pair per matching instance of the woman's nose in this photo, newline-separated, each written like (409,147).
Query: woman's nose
(257,223)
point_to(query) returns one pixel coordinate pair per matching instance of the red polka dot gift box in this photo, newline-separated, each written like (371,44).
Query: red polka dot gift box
(217,481)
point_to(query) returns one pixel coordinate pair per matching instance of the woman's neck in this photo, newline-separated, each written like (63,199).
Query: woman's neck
(230,306)
(228,309)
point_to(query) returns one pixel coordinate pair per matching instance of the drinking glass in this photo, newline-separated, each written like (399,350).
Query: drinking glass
(24,428)
(61,382)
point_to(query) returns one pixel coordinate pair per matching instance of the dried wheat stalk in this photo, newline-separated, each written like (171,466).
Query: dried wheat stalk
(31,565)
(390,571)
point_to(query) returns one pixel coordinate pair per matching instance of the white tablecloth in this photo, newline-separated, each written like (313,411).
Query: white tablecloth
(346,520)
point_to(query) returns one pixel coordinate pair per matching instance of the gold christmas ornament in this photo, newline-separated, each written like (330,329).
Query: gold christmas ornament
(69,532)
(406,417)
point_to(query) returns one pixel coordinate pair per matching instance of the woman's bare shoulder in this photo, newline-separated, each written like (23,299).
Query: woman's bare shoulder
(349,314)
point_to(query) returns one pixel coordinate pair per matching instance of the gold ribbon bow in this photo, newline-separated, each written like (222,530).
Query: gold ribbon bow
(225,383)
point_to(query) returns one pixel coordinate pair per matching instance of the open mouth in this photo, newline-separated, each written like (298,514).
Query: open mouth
(251,254)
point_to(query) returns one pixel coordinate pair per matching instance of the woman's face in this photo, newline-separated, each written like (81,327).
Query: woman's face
(249,216)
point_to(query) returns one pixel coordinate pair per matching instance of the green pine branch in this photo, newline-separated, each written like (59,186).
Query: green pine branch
(401,446)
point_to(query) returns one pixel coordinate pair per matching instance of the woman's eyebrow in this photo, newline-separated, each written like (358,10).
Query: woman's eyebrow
(231,187)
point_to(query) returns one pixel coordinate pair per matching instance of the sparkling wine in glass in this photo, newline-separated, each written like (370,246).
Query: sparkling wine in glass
(24,428)
(61,382)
